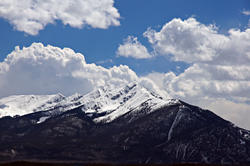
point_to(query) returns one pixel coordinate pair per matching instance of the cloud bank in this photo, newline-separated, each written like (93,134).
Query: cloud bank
(42,70)
(219,74)
(219,63)
(31,16)
(188,40)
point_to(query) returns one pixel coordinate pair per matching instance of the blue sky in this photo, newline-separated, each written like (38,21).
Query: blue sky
(194,50)
(100,45)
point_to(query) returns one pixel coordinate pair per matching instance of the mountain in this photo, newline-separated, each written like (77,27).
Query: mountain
(25,104)
(105,103)
(114,125)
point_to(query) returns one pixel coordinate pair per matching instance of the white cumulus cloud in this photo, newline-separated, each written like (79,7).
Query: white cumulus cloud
(220,63)
(246,12)
(187,40)
(133,48)
(43,70)
(31,16)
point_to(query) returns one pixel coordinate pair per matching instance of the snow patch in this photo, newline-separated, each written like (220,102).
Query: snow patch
(42,119)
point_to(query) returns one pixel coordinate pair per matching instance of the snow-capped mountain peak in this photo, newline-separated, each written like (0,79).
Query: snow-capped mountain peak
(103,104)
(112,103)
(25,104)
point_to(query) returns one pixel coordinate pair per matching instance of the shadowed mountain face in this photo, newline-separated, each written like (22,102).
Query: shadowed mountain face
(173,133)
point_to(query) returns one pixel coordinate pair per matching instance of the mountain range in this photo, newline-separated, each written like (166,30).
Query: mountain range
(129,124)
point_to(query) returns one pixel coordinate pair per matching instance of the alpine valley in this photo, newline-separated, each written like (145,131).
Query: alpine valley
(129,124)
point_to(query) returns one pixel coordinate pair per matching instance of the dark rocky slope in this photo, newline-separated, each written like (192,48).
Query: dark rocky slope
(177,133)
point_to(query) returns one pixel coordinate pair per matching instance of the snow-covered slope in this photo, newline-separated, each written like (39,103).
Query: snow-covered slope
(103,104)
(25,104)
(111,103)
(108,102)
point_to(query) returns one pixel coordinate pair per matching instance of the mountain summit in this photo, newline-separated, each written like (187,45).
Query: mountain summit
(130,124)
(105,103)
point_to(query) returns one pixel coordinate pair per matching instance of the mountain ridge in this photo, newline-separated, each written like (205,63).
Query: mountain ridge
(111,101)
(123,125)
